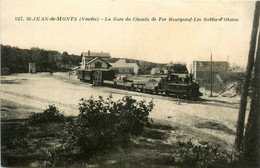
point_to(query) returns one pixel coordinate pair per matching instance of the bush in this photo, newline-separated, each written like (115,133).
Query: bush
(234,77)
(13,135)
(104,123)
(190,155)
(52,114)
(100,125)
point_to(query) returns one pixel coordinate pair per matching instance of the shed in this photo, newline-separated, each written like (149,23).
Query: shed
(32,67)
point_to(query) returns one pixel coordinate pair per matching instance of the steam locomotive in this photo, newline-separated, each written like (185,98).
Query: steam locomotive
(180,85)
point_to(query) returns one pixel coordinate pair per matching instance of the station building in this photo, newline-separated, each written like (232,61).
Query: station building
(101,60)
(201,70)
(95,60)
(123,67)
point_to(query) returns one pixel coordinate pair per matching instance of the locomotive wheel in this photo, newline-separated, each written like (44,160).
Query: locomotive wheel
(190,96)
(166,93)
(181,96)
(114,86)
(156,91)
(148,91)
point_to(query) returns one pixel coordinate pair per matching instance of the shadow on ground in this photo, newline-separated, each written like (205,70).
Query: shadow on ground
(159,146)
(215,126)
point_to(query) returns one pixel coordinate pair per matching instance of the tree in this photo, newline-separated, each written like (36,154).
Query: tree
(53,59)
(243,102)
(251,143)
(17,59)
(43,60)
(65,58)
(5,56)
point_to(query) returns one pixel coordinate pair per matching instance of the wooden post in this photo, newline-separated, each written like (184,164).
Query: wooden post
(211,79)
(243,101)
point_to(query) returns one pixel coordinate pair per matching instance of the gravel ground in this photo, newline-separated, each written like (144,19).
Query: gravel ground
(40,90)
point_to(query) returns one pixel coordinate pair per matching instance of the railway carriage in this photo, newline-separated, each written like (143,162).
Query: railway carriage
(174,84)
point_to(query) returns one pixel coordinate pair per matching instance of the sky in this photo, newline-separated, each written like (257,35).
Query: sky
(155,41)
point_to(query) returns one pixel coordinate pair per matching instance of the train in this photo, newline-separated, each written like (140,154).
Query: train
(180,85)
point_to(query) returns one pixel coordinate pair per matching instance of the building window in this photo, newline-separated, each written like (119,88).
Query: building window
(98,65)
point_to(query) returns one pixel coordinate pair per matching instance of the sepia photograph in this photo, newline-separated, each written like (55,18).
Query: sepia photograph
(130,84)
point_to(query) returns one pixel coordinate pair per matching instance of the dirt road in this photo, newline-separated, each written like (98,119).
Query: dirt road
(35,92)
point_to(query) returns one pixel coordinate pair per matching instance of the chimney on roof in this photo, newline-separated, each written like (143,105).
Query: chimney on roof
(88,52)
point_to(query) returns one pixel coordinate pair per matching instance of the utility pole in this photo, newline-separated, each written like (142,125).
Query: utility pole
(227,65)
(211,79)
(243,101)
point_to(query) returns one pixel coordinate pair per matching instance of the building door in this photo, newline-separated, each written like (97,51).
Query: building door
(97,78)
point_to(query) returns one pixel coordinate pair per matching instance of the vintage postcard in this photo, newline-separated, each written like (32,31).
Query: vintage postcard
(128,83)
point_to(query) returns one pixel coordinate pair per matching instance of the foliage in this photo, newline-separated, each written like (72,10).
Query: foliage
(59,156)
(52,114)
(222,81)
(100,125)
(235,77)
(177,68)
(104,123)
(190,155)
(13,135)
(17,60)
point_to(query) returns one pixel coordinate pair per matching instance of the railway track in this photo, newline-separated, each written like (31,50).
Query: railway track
(170,97)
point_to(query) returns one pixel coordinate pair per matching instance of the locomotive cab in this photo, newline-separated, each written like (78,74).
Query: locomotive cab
(180,85)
